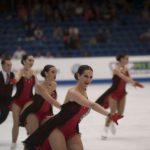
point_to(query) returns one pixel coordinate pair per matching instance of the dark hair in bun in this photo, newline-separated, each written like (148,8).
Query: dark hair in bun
(75,76)
(46,69)
(120,56)
(81,70)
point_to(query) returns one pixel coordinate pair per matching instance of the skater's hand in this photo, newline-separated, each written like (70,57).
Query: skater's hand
(139,85)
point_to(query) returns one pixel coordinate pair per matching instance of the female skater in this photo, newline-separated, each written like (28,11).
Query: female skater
(37,111)
(25,80)
(62,130)
(115,96)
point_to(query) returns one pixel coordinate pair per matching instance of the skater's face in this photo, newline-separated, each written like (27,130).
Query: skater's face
(7,66)
(125,60)
(28,63)
(85,78)
(51,74)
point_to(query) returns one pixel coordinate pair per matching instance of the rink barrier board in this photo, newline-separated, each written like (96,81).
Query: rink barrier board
(139,68)
(100,81)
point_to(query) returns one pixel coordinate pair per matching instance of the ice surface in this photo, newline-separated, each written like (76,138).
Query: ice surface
(133,132)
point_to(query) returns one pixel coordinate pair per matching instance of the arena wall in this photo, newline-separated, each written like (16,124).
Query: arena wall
(139,67)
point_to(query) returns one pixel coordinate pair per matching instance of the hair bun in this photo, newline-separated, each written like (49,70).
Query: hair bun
(75,76)
(43,73)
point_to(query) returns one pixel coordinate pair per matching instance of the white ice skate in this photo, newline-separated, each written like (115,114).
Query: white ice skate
(104,135)
(112,128)
(13,146)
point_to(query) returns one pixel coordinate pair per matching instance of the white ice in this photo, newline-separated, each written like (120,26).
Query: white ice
(133,131)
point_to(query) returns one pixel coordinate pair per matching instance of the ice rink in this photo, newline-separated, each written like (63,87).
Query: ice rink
(133,131)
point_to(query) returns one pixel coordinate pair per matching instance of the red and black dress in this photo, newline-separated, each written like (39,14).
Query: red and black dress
(46,108)
(67,121)
(24,91)
(40,107)
(71,127)
(116,91)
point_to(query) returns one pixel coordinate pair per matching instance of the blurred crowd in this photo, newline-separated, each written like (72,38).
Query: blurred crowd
(65,10)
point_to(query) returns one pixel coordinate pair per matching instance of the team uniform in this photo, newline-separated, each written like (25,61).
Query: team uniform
(116,91)
(5,95)
(24,92)
(46,109)
(67,121)
(41,108)
(71,127)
